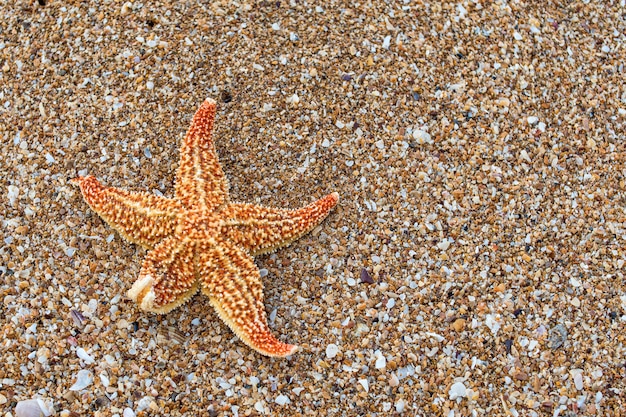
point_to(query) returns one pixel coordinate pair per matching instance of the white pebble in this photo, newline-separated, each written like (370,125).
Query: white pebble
(462,11)
(386,42)
(83,380)
(149,85)
(144,403)
(532,120)
(524,155)
(443,245)
(393,380)
(332,350)
(126,8)
(13,193)
(381,362)
(31,408)
(128,412)
(457,390)
(578,381)
(282,400)
(258,406)
(400,405)
(104,379)
(82,353)
(365,384)
(275,26)
(492,323)
(422,137)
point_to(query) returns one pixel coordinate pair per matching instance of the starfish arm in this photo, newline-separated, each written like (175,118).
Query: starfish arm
(232,282)
(140,218)
(260,229)
(167,278)
(200,181)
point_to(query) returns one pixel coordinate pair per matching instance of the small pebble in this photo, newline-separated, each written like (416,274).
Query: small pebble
(31,408)
(282,400)
(381,361)
(458,325)
(366,277)
(365,384)
(457,390)
(558,336)
(332,350)
(84,378)
(422,137)
(400,404)
(81,353)
(578,379)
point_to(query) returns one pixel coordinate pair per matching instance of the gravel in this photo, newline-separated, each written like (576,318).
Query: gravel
(478,148)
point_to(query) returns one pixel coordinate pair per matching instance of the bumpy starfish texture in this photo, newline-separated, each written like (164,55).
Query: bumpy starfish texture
(200,240)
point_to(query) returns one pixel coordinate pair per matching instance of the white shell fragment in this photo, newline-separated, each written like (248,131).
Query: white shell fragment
(84,378)
(32,408)
(282,400)
(332,350)
(422,137)
(457,390)
(381,362)
(87,358)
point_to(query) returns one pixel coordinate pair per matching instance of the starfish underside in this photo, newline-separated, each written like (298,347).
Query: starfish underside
(200,240)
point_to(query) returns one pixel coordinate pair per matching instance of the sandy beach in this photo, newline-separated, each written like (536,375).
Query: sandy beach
(474,265)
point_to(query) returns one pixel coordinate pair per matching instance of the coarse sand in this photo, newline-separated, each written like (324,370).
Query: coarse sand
(474,265)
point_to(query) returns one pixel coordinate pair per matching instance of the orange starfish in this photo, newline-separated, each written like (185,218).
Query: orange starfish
(199,239)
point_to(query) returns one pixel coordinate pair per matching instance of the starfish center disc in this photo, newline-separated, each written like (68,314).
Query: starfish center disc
(198,225)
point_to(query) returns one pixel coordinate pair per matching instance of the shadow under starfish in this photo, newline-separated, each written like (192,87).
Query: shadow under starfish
(200,240)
